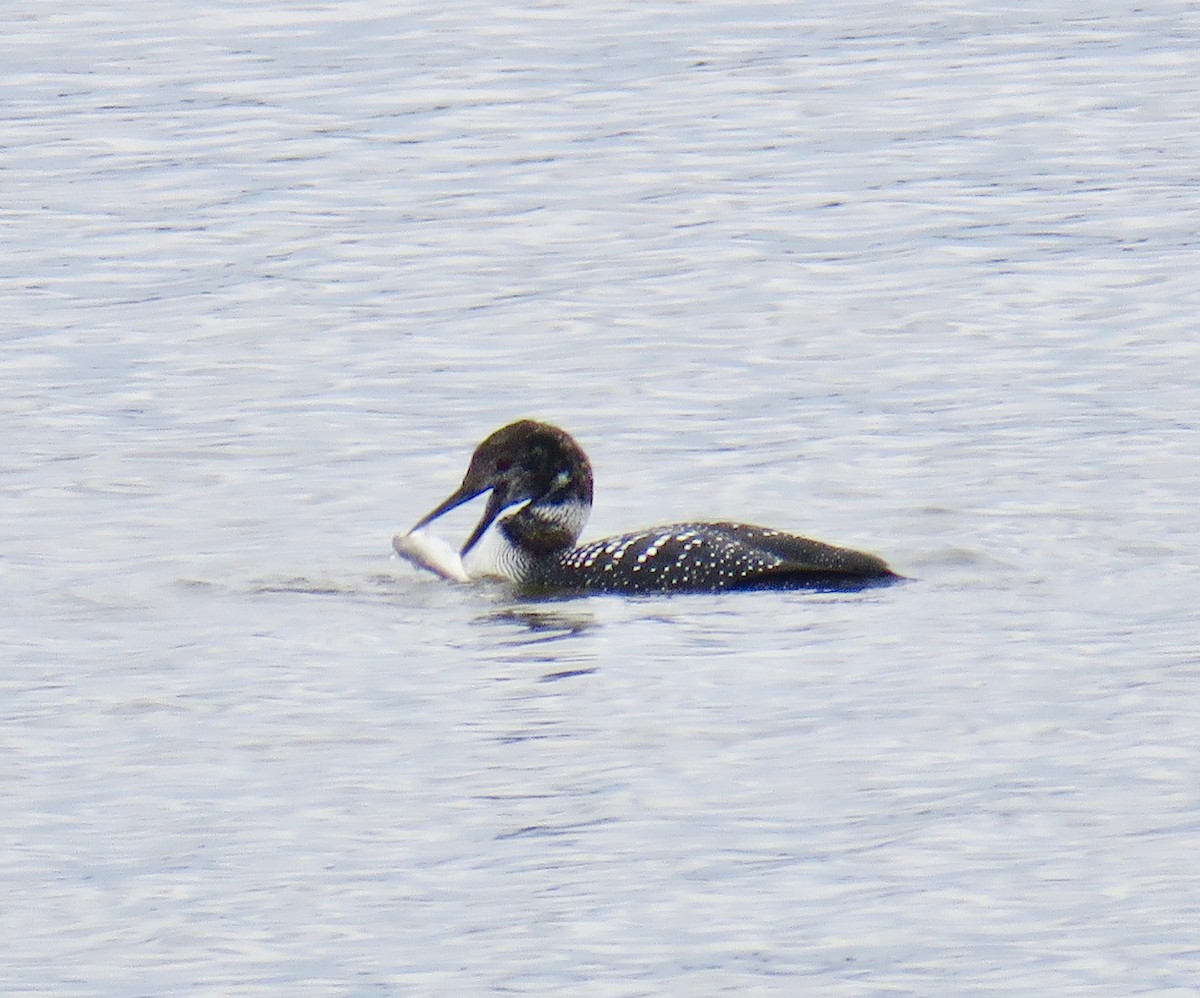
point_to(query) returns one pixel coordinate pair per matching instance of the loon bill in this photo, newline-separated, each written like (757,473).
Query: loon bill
(540,485)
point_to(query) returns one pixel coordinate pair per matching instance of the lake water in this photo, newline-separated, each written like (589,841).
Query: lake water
(915,278)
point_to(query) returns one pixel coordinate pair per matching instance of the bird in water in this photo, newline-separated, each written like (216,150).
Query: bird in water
(540,494)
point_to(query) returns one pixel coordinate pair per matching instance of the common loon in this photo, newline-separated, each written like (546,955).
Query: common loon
(541,494)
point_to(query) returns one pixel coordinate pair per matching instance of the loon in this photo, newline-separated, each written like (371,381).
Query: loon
(540,482)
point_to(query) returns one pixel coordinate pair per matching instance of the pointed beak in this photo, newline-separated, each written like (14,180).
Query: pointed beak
(496,502)
(465,493)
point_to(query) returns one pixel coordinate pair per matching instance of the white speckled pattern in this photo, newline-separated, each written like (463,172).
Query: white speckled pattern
(690,557)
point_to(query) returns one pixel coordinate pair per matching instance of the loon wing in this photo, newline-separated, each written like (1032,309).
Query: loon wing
(800,556)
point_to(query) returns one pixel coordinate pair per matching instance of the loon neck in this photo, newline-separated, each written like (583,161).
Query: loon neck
(547,527)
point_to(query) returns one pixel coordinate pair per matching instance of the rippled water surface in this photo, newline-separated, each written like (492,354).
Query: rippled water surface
(915,278)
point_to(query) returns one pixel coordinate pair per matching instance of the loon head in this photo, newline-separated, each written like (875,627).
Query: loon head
(536,468)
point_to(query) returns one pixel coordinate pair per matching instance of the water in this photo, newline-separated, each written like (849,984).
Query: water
(917,279)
